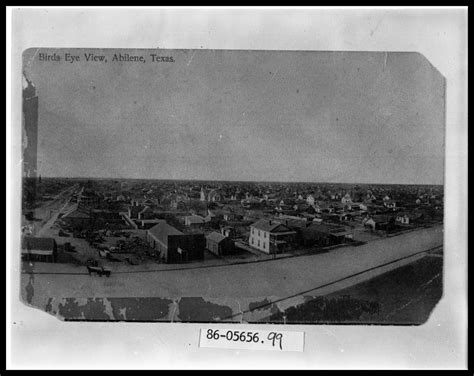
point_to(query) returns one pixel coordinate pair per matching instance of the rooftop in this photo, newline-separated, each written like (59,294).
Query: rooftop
(216,237)
(30,242)
(268,225)
(76,212)
(162,230)
(326,228)
(195,219)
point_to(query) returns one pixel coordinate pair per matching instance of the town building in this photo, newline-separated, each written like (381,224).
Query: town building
(135,209)
(271,236)
(219,244)
(121,198)
(346,199)
(353,206)
(214,196)
(88,198)
(251,203)
(175,246)
(324,235)
(194,220)
(322,207)
(77,217)
(406,218)
(38,249)
(391,204)
(379,223)
(228,231)
(178,204)
(146,213)
(148,223)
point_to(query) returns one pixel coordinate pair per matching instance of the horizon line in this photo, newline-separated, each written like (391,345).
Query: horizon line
(232,181)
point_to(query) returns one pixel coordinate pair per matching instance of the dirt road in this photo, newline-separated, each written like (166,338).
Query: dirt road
(279,278)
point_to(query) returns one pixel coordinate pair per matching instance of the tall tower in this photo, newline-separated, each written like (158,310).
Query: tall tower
(30,138)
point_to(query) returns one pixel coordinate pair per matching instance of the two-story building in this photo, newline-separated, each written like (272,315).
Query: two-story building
(271,236)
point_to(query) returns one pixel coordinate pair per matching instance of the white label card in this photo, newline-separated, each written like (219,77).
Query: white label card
(272,340)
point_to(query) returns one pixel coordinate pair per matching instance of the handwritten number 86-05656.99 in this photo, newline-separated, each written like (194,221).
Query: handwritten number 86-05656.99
(242,336)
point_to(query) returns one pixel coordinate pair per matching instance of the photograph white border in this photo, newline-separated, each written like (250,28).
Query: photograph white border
(37,340)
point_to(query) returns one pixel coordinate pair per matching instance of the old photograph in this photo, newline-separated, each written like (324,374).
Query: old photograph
(239,186)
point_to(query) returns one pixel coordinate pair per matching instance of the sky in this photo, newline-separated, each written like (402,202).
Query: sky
(349,117)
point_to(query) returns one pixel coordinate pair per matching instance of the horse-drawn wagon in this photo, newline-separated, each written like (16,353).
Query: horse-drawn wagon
(99,270)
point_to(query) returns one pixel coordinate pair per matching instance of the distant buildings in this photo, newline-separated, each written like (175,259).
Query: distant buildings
(406,218)
(146,213)
(134,210)
(251,203)
(88,198)
(147,223)
(121,198)
(346,199)
(194,220)
(214,196)
(391,204)
(228,231)
(273,218)
(379,222)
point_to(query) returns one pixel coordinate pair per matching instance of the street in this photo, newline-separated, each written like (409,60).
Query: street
(279,278)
